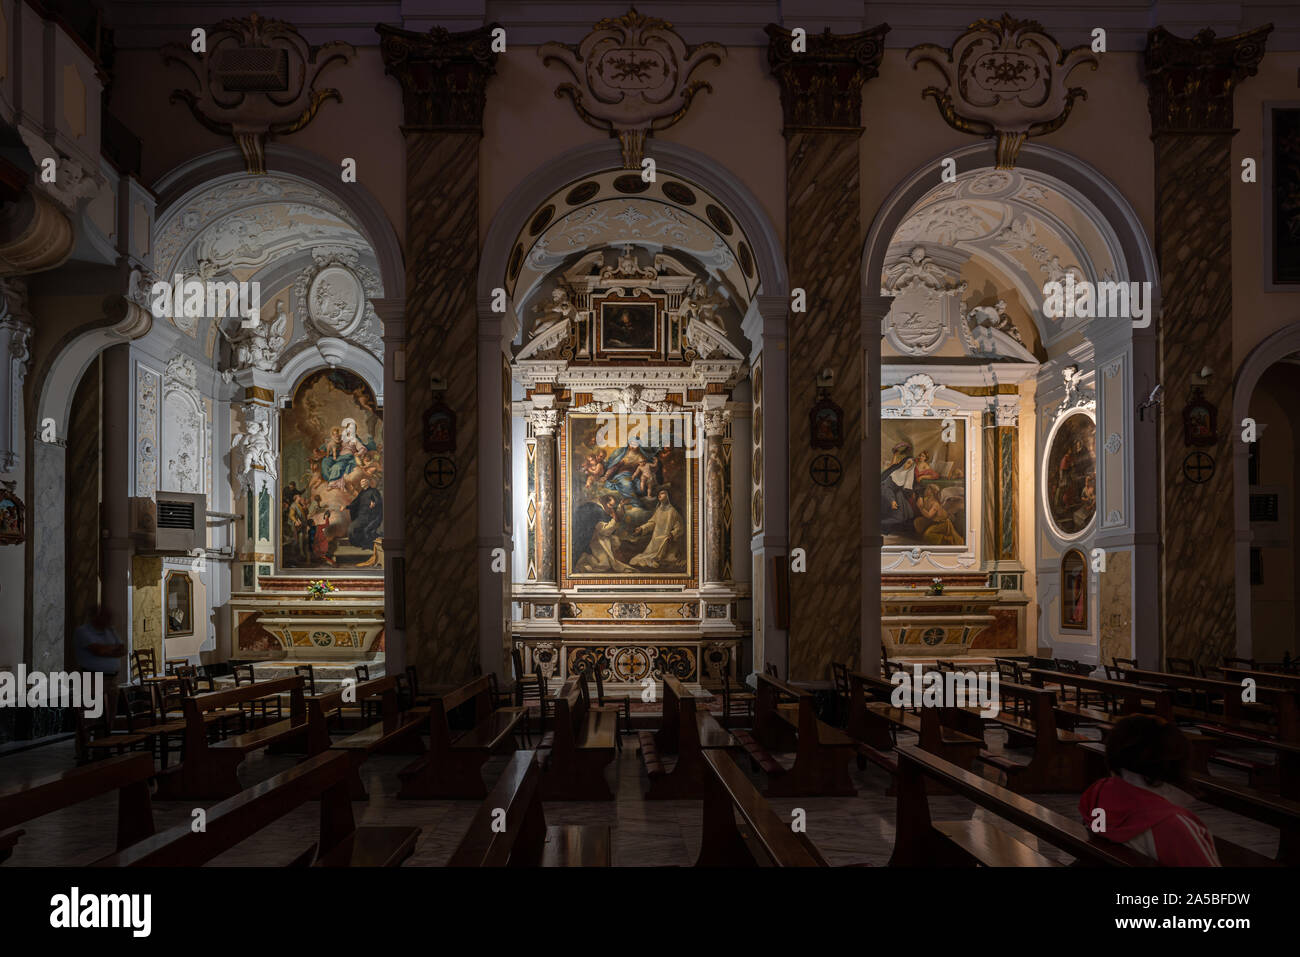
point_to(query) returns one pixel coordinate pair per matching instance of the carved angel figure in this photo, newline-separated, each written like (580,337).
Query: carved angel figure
(994,317)
(559,309)
(917,268)
(252,449)
(698,302)
(257,345)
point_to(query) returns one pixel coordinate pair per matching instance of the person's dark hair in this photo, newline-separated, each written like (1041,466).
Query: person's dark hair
(1149,746)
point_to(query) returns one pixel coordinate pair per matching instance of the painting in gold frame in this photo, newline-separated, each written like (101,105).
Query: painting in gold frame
(628,511)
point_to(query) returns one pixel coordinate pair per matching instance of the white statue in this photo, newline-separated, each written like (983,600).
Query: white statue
(698,302)
(256,343)
(558,310)
(253,449)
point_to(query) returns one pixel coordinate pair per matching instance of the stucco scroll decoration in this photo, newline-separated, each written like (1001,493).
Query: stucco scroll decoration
(632,76)
(258,77)
(1005,78)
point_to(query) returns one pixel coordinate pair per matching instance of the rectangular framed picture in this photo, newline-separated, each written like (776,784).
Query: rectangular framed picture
(628,512)
(628,328)
(923,484)
(178,604)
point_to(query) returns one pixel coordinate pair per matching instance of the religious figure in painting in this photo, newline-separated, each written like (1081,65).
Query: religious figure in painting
(897,500)
(923,485)
(621,520)
(332,448)
(597,527)
(667,536)
(367,511)
(1072,474)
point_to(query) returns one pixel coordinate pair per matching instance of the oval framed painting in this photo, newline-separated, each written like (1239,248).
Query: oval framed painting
(1069,481)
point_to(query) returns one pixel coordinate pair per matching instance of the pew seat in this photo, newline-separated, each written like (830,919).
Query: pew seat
(992,846)
(526,840)
(340,843)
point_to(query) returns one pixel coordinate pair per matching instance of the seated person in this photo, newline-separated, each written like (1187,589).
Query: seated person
(1147,757)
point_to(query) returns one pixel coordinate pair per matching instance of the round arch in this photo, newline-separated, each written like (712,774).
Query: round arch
(769,301)
(592,158)
(195,174)
(1135,260)
(1279,345)
(353,358)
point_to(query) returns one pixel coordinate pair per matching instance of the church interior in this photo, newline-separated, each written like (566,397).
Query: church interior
(552,434)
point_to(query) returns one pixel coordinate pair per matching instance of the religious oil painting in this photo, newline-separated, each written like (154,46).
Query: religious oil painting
(179,609)
(1070,474)
(923,483)
(332,472)
(629,500)
(1074,590)
(628,326)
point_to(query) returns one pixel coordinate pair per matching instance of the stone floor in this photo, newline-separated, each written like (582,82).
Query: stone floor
(851,830)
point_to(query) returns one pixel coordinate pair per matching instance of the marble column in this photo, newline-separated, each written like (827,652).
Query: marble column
(392,313)
(874,309)
(821,99)
(717,492)
(766,326)
(1190,87)
(444,77)
(117,468)
(545,419)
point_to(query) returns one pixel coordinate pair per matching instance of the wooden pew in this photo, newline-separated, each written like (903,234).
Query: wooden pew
(1238,724)
(685,732)
(762,839)
(1057,763)
(527,840)
(211,770)
(921,842)
(340,843)
(393,733)
(1128,698)
(453,765)
(581,745)
(127,774)
(1268,809)
(822,753)
(873,724)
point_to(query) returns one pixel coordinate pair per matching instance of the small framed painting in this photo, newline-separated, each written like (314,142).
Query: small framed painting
(1074,590)
(13,515)
(178,604)
(629,328)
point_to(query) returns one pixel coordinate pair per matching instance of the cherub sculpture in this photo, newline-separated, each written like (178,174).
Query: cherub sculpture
(256,343)
(698,302)
(253,449)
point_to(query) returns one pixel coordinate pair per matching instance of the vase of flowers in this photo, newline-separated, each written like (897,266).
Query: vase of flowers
(936,586)
(318,589)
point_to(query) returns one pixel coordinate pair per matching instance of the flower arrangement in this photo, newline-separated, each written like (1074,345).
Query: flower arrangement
(936,586)
(318,589)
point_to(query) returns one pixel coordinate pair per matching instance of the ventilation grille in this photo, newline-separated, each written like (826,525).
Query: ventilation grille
(253,70)
(176,515)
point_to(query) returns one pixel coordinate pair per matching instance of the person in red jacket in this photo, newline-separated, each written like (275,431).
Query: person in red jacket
(1142,805)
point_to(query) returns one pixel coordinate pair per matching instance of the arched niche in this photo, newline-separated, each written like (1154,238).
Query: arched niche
(690,184)
(1095,230)
(1278,346)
